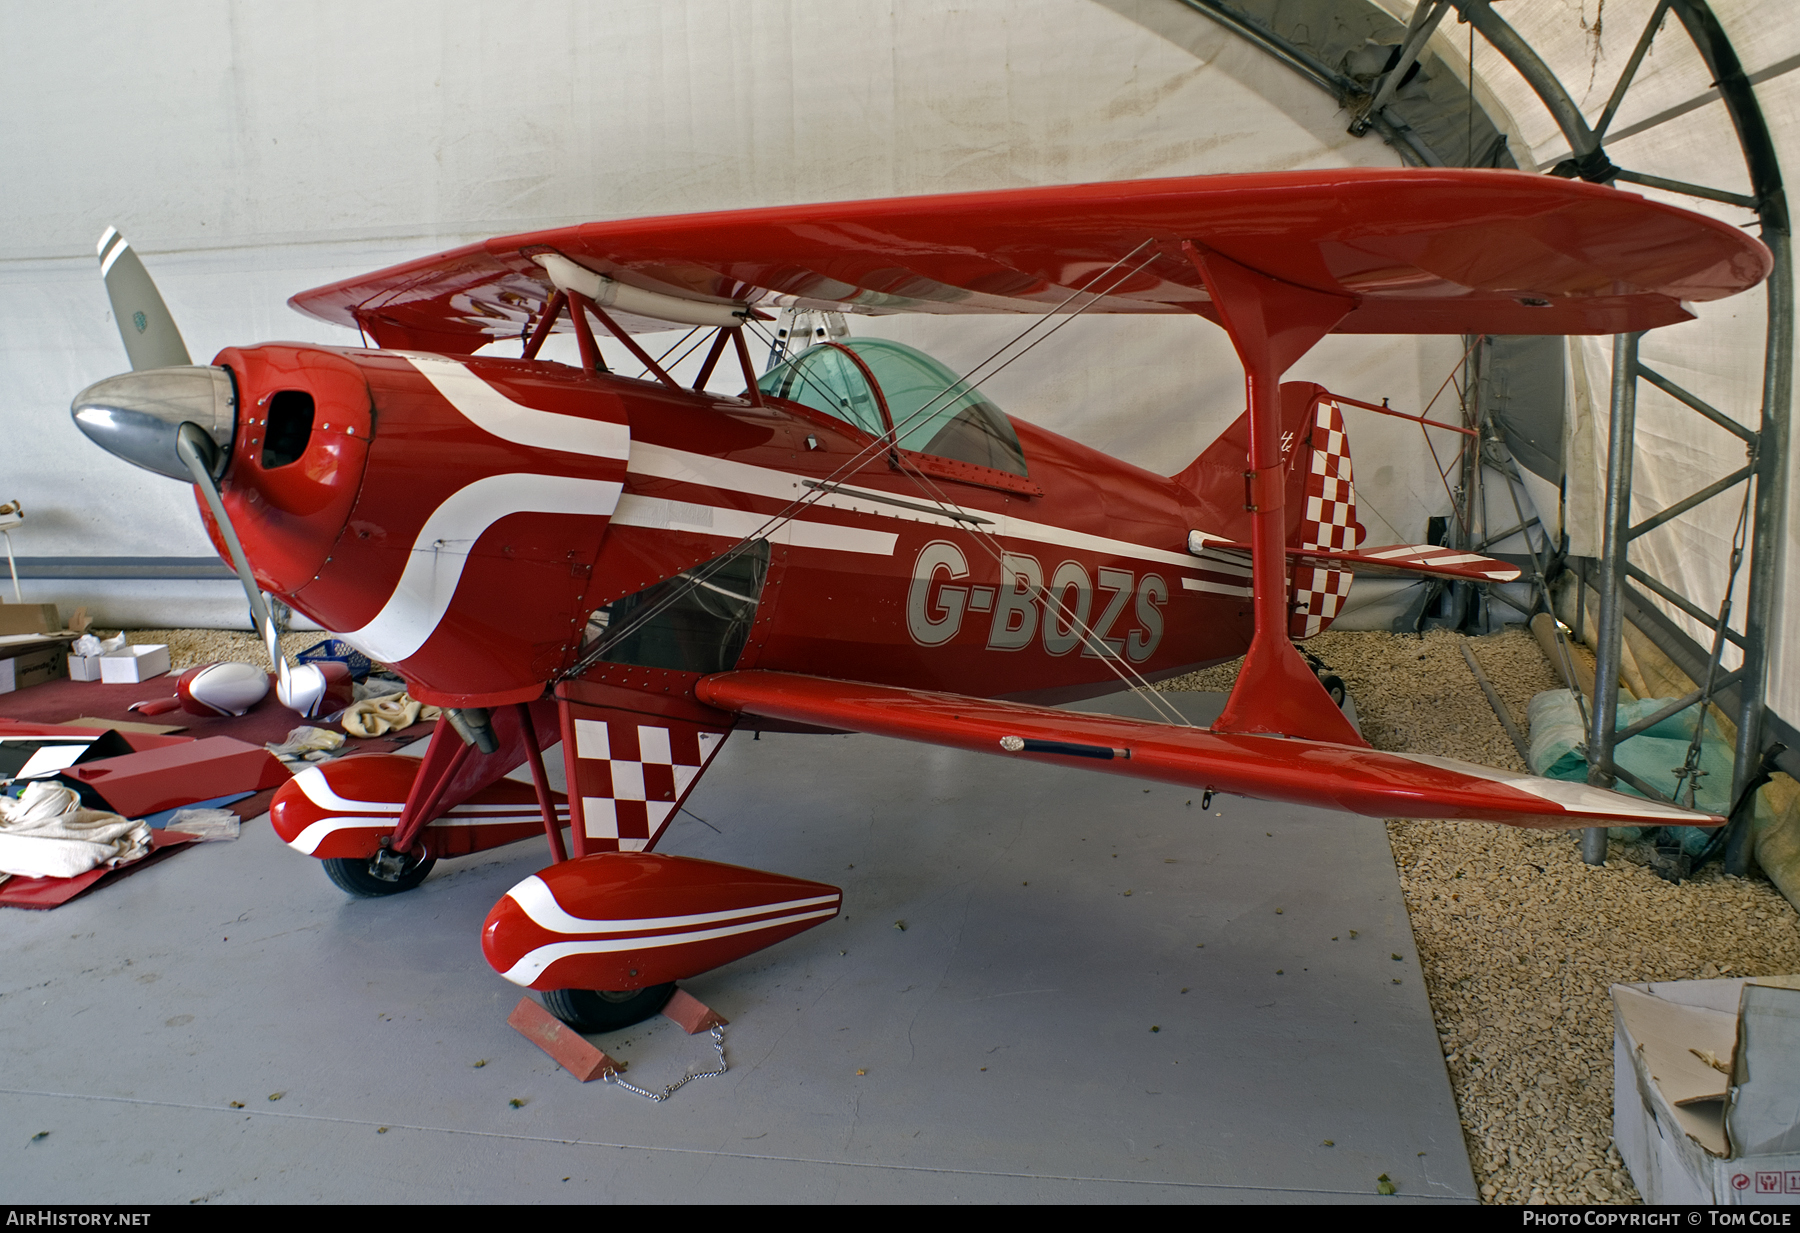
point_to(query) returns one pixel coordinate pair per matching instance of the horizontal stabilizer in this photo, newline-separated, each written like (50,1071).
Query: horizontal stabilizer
(1395,560)
(1319,773)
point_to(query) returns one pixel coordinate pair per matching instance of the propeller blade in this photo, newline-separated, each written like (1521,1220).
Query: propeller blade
(303,687)
(145,324)
(178,419)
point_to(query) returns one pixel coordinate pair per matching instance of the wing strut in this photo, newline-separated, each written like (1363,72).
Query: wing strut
(1272,324)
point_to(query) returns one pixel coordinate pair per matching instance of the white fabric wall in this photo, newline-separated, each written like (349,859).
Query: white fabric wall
(251,150)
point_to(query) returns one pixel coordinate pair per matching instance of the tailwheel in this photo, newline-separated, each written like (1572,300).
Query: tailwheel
(1333,683)
(387,873)
(606,1010)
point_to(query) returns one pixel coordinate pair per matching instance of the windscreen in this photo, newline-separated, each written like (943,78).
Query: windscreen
(936,413)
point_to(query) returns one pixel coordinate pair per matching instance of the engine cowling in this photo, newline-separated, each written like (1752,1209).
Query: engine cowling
(442,514)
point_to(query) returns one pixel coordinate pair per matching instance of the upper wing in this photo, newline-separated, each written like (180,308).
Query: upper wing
(1422,250)
(1361,780)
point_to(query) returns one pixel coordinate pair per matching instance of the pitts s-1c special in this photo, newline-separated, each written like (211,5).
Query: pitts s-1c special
(860,541)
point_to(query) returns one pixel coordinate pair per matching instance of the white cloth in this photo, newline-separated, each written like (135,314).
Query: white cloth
(375,716)
(46,833)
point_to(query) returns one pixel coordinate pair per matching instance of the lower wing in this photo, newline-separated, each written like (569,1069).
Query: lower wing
(1360,780)
(1393,560)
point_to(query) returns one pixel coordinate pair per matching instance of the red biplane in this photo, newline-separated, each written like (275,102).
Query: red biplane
(859,541)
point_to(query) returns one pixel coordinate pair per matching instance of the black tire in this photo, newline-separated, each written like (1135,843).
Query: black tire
(606,1010)
(351,875)
(1334,685)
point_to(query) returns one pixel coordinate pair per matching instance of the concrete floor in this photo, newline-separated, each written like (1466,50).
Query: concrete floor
(1053,920)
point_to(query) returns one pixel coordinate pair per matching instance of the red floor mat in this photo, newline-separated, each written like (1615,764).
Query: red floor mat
(56,702)
(17,892)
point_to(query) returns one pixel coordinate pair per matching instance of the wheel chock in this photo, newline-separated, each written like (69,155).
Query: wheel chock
(691,1013)
(566,1047)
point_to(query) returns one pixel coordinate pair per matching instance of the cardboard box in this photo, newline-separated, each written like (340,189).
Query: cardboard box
(1689,1131)
(84,667)
(31,659)
(29,619)
(134,663)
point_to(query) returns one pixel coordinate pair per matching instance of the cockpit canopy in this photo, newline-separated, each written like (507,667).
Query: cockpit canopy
(877,385)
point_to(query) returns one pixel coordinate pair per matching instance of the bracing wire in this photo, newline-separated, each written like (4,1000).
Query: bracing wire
(1053,605)
(876,446)
(885,441)
(1689,770)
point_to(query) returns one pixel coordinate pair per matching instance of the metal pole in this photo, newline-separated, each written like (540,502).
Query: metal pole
(1425,18)
(1604,717)
(1769,543)
(1505,40)
(1472,496)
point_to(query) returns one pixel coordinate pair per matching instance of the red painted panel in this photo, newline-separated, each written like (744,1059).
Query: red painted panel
(153,780)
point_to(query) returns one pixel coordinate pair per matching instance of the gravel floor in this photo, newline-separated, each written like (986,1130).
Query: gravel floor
(189,648)
(1520,940)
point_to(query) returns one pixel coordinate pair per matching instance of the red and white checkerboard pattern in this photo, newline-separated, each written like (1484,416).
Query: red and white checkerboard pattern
(630,774)
(1327,520)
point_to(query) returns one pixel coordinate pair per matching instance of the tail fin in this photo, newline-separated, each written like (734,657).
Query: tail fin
(1320,498)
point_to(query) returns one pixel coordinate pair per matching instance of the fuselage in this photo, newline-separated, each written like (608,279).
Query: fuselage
(485,525)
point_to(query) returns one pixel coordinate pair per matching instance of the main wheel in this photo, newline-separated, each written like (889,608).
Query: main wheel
(351,875)
(606,1010)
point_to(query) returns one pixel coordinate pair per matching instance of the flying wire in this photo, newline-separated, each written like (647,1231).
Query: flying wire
(885,441)
(880,443)
(1102,649)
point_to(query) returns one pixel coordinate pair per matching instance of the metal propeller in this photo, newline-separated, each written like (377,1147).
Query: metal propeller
(177,418)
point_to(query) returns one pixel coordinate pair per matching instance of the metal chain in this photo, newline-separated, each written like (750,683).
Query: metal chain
(718,1039)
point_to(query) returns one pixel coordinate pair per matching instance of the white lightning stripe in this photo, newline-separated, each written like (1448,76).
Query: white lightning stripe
(533,964)
(308,840)
(736,524)
(438,556)
(1575,798)
(535,897)
(1045,533)
(1427,555)
(1215,588)
(118,250)
(662,462)
(494,413)
(319,791)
